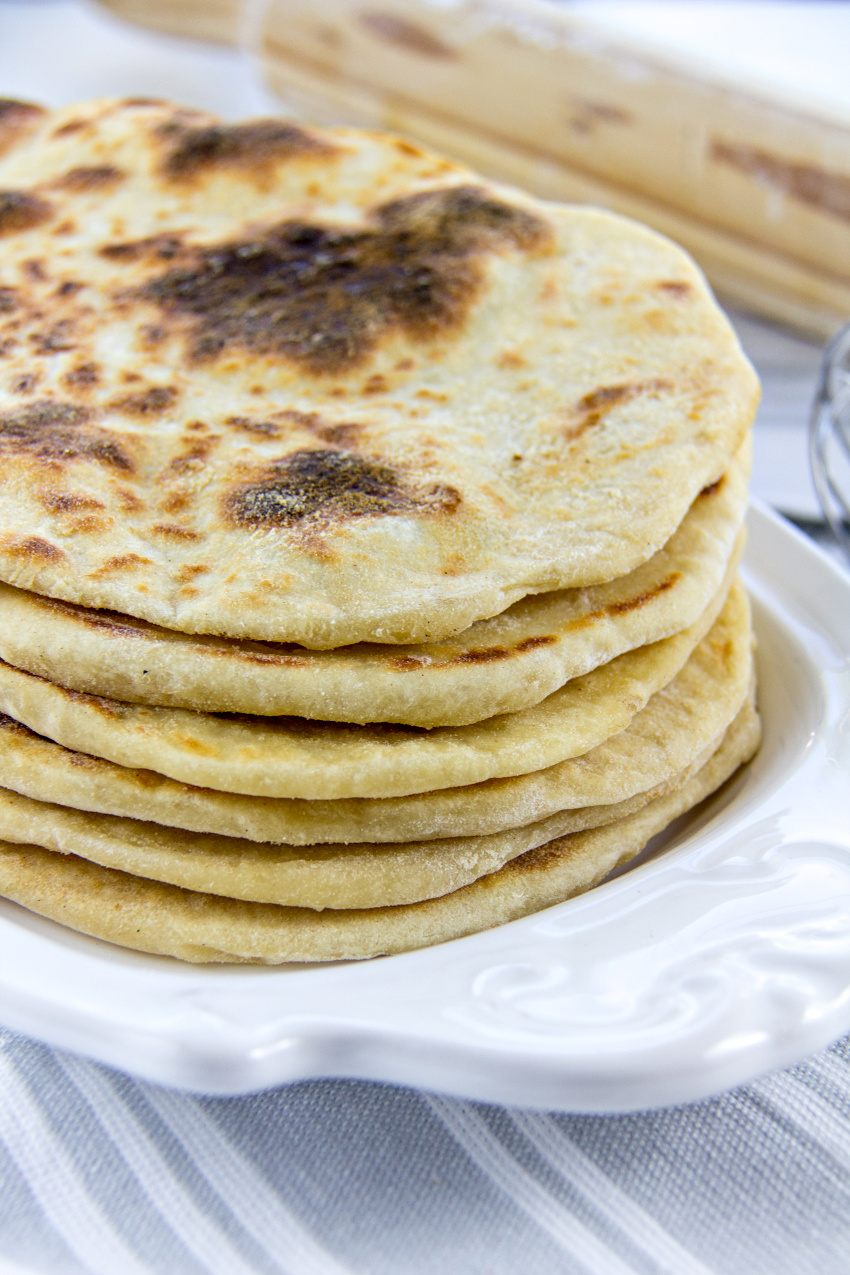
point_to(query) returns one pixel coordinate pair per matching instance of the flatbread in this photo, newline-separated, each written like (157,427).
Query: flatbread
(151,917)
(496,666)
(338,876)
(292,757)
(326,387)
(664,738)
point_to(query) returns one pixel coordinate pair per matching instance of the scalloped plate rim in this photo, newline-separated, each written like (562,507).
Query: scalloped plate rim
(232,1030)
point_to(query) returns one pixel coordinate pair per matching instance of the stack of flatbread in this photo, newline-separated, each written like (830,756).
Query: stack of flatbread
(369,538)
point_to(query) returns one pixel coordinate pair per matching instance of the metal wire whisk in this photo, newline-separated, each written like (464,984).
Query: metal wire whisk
(829,437)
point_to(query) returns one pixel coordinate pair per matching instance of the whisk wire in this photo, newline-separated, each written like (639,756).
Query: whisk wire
(829,437)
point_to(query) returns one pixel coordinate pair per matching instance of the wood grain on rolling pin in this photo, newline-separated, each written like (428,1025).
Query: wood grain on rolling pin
(757,188)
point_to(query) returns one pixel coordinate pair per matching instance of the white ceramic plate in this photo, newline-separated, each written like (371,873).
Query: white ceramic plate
(725,957)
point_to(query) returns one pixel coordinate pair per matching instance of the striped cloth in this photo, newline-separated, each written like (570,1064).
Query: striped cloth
(104,1175)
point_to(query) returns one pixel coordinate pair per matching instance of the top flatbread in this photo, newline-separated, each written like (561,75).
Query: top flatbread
(326,387)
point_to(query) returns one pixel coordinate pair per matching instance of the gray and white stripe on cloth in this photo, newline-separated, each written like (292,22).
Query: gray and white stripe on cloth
(106,1175)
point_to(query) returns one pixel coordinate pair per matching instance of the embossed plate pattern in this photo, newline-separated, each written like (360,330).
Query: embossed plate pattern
(725,957)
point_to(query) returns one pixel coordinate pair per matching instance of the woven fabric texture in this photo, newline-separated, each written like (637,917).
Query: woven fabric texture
(103,1175)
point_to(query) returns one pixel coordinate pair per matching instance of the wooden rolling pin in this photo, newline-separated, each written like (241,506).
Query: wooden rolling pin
(756,187)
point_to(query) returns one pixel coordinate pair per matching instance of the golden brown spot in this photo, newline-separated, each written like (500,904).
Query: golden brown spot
(192,459)
(594,407)
(121,562)
(328,487)
(510,359)
(339,433)
(404,365)
(532,643)
(110,621)
(73,126)
(82,377)
(83,180)
(251,147)
(277,654)
(323,297)
(537,859)
(482,655)
(633,604)
(130,502)
(151,402)
(343,434)
(827,191)
(432,396)
(68,502)
(17,119)
(676,288)
(406,35)
(190,571)
(713,488)
(606,397)
(172,532)
(56,340)
(409,663)
(8,300)
(16,728)
(59,431)
(20,211)
(247,425)
(89,524)
(375,385)
(408,148)
(106,707)
(69,288)
(176,502)
(488,654)
(25,384)
(32,547)
(66,227)
(35,270)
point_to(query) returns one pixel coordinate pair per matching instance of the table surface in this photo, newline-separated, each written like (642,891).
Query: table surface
(100,1173)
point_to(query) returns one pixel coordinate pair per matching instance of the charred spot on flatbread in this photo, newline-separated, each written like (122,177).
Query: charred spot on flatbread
(159,247)
(20,211)
(84,376)
(150,402)
(254,146)
(331,486)
(323,297)
(60,432)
